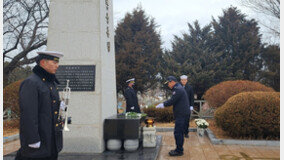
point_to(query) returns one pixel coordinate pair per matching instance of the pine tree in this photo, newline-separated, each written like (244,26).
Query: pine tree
(270,75)
(237,45)
(227,51)
(191,55)
(138,50)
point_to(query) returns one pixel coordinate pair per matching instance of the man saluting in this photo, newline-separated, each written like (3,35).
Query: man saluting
(131,97)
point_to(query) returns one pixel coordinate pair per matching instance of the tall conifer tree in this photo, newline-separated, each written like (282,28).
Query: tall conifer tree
(237,44)
(270,74)
(138,50)
(191,55)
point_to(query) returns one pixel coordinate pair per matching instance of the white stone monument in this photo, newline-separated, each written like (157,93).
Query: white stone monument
(83,31)
(149,136)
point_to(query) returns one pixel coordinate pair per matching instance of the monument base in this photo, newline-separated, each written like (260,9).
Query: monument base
(149,136)
(83,138)
(141,153)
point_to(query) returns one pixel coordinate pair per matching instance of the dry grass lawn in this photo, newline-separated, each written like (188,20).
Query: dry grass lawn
(10,127)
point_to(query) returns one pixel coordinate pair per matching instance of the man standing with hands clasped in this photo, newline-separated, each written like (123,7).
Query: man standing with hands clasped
(180,103)
(40,128)
(131,97)
(190,94)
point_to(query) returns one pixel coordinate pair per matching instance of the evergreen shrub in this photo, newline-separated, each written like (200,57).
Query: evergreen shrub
(217,95)
(160,114)
(251,114)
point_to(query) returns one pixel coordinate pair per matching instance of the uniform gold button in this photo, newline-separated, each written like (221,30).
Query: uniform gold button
(55,112)
(50,88)
(43,79)
(54,101)
(56,125)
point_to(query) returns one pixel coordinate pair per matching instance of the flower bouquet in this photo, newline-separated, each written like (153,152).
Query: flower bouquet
(134,115)
(201,124)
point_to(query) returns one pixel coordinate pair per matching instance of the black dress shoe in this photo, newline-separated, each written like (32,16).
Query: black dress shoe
(186,136)
(175,153)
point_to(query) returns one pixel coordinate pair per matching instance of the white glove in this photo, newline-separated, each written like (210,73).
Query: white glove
(62,105)
(35,145)
(161,105)
(132,108)
(191,108)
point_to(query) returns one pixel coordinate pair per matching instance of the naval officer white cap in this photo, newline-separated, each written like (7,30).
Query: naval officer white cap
(50,55)
(183,77)
(132,80)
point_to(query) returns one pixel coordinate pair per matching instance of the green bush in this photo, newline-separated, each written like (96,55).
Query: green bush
(11,98)
(160,114)
(217,95)
(251,114)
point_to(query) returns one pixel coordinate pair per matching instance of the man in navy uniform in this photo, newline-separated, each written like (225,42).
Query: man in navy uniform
(131,97)
(40,130)
(180,103)
(190,94)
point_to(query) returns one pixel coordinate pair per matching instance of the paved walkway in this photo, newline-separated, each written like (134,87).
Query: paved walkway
(11,147)
(200,148)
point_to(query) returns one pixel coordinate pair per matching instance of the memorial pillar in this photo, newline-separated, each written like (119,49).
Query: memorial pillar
(83,31)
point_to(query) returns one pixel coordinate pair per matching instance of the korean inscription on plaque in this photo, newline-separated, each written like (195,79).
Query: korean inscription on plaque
(82,77)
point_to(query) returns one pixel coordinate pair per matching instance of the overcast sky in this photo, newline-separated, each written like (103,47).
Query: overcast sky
(172,16)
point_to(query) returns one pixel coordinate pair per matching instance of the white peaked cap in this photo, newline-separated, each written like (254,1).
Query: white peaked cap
(183,77)
(132,79)
(51,53)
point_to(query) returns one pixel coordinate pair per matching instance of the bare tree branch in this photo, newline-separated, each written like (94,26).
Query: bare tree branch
(27,61)
(17,58)
(270,8)
(25,24)
(17,41)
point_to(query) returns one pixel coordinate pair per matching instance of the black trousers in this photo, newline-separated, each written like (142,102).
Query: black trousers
(179,132)
(54,156)
(186,125)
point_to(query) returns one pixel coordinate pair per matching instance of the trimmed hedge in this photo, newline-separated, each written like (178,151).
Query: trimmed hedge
(160,114)
(251,114)
(11,98)
(217,95)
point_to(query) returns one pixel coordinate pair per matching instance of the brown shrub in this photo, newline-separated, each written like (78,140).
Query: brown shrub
(15,123)
(11,98)
(160,114)
(251,114)
(217,95)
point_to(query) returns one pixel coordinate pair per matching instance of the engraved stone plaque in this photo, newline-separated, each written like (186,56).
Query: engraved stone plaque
(82,77)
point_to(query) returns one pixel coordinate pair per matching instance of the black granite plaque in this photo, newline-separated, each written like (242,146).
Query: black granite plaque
(122,127)
(82,77)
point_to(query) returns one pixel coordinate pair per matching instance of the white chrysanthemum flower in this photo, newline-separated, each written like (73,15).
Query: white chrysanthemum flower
(202,123)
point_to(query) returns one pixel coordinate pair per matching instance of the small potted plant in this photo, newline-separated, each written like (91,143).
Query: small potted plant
(201,124)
